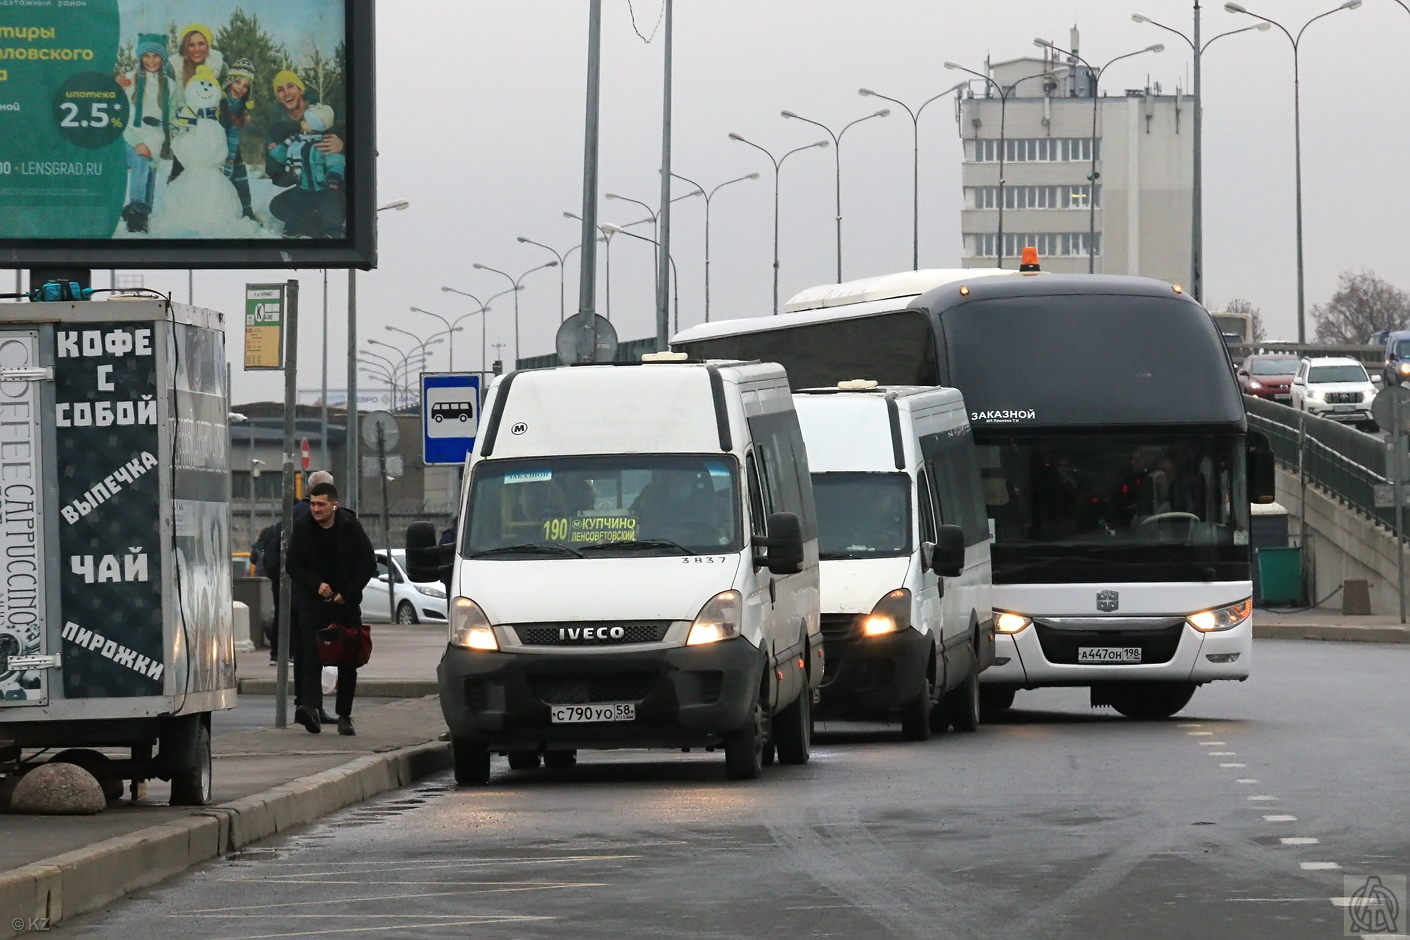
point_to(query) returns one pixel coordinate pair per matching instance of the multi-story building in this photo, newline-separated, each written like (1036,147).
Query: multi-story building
(1073,173)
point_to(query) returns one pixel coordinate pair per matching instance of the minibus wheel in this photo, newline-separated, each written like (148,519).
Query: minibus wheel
(744,749)
(963,705)
(471,760)
(915,714)
(793,729)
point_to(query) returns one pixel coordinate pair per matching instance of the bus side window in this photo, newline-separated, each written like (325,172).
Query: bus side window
(758,518)
(927,511)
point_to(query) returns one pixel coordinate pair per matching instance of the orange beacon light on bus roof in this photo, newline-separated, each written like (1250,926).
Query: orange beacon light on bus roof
(1029,263)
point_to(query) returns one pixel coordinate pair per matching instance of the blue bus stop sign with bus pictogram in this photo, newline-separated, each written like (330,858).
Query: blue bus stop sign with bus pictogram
(450,416)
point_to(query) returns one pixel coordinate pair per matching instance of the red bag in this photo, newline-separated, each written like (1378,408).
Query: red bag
(344,646)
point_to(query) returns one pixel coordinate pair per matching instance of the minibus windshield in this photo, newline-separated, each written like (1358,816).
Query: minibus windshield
(863,515)
(612,505)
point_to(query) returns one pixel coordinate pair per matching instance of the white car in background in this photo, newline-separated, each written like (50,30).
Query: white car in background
(1335,387)
(415,603)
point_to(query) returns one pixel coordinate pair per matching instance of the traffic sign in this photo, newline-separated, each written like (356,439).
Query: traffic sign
(304,453)
(450,417)
(1383,407)
(578,332)
(395,466)
(374,420)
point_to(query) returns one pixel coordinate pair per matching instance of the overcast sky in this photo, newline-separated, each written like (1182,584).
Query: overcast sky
(480,126)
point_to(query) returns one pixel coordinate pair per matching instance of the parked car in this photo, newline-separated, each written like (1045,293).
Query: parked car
(1268,376)
(415,603)
(1397,357)
(1335,388)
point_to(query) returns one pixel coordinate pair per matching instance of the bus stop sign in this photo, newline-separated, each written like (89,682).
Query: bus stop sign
(450,416)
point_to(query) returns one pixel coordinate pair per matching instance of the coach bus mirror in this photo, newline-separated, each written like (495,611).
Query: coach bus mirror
(1262,470)
(423,556)
(784,545)
(947,557)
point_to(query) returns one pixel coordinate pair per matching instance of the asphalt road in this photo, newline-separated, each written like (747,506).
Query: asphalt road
(1246,816)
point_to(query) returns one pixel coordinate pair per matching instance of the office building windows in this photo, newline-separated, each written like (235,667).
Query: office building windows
(1031,197)
(1049,244)
(1037,150)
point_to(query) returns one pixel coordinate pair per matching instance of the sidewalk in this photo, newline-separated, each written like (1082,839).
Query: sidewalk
(265,781)
(1326,623)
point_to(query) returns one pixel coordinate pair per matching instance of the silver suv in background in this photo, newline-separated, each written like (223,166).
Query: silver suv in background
(1337,388)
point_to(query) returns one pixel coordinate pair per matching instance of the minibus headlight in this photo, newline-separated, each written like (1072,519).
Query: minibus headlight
(1011,623)
(1405,368)
(1221,618)
(890,615)
(720,619)
(469,627)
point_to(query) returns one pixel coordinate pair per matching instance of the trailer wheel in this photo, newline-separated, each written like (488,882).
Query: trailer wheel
(192,787)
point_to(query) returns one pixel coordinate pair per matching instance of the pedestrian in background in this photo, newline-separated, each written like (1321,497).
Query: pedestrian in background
(329,560)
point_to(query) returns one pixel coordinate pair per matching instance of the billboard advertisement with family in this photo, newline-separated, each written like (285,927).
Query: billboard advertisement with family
(177,132)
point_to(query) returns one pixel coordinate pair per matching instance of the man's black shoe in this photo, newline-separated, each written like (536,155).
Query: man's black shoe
(324,717)
(345,725)
(309,719)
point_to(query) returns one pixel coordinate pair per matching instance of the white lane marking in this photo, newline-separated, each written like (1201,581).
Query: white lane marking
(1195,724)
(1263,798)
(1245,779)
(1200,734)
(1280,817)
(1211,743)
(488,919)
(479,863)
(1222,753)
(1299,840)
(528,886)
(1320,866)
(1233,765)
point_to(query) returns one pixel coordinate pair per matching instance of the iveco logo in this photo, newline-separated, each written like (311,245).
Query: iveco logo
(591,633)
(1107,601)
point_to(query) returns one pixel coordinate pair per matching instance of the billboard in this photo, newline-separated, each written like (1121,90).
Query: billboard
(187,133)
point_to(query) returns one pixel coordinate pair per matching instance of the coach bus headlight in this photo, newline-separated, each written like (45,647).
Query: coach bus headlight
(469,627)
(890,615)
(720,619)
(1011,623)
(1221,618)
(1405,368)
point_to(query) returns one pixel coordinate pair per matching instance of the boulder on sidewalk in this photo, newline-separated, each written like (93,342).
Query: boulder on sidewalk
(58,789)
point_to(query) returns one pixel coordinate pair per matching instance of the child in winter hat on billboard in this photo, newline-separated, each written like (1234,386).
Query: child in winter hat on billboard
(235,113)
(152,99)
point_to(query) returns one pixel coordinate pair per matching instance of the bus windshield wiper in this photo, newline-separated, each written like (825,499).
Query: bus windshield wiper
(634,544)
(528,548)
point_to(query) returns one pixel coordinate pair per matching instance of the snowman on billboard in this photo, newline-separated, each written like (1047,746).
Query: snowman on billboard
(201,202)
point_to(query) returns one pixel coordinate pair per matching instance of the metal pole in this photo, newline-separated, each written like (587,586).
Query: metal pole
(587,277)
(1397,440)
(1003,145)
(1297,158)
(323,395)
(775,238)
(915,193)
(663,270)
(286,524)
(1092,181)
(352,467)
(1302,482)
(386,524)
(707,259)
(253,533)
(1197,197)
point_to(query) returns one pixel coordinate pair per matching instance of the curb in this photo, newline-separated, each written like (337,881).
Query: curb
(369,688)
(1342,633)
(86,879)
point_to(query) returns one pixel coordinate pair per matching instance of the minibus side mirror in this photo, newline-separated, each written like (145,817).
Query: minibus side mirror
(426,562)
(947,557)
(1262,469)
(784,544)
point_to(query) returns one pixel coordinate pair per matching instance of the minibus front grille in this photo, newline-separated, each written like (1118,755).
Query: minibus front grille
(839,626)
(585,690)
(592,633)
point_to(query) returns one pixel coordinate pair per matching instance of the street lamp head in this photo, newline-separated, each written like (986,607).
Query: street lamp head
(952,65)
(822,143)
(1160,46)
(1263,27)
(788,114)
(734,136)
(478,266)
(399,205)
(522,240)
(611,229)
(572,215)
(552,264)
(1044,44)
(611,196)
(882,113)
(864,92)
(1140,18)
(1235,8)
(1350,5)
(752,176)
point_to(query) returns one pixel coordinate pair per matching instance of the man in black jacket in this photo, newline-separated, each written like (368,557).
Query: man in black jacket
(330,561)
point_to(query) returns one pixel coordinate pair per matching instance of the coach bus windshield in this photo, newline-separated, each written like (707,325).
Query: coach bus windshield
(1127,507)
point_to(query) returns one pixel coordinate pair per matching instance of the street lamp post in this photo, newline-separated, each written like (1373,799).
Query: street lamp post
(420,342)
(1197,183)
(837,166)
(562,273)
(450,331)
(915,160)
(1297,138)
(517,284)
(354,469)
(606,239)
(777,164)
(1092,177)
(675,275)
(708,196)
(1003,143)
(484,309)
